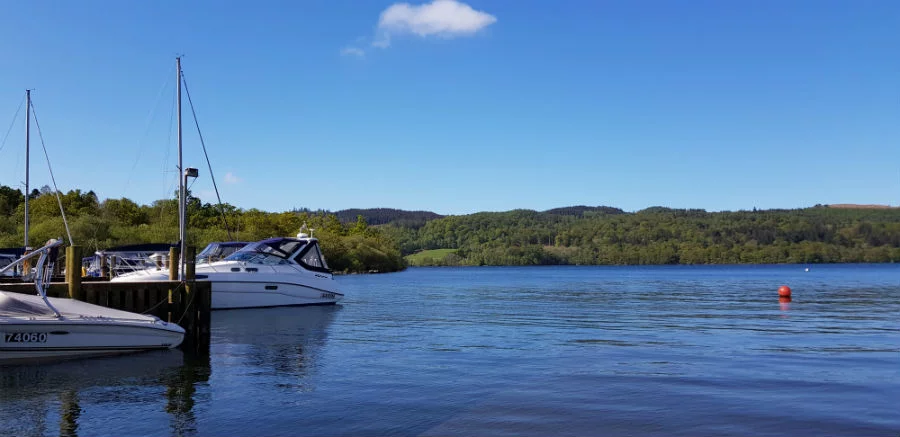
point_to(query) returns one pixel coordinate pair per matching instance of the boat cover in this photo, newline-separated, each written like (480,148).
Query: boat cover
(17,305)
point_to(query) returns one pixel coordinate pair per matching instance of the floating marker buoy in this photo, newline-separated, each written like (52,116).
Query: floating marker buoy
(784,291)
(784,299)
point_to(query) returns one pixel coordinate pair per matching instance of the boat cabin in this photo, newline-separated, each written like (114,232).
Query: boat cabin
(276,251)
(216,251)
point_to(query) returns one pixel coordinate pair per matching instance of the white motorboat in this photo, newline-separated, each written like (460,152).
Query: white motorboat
(125,259)
(268,273)
(39,327)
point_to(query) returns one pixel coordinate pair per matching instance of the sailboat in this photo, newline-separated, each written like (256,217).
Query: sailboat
(9,254)
(40,327)
(268,273)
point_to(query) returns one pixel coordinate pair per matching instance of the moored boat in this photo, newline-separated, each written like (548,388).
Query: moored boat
(39,327)
(268,273)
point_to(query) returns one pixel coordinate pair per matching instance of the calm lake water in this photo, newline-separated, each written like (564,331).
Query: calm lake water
(493,351)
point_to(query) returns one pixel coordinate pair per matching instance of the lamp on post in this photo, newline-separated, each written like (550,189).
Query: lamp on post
(189,172)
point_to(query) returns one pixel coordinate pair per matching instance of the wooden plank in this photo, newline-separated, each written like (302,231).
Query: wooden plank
(90,294)
(140,299)
(128,304)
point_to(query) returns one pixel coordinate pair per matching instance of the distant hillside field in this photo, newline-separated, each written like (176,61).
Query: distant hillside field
(433,257)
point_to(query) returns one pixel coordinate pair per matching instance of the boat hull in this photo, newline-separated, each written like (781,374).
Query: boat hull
(255,294)
(237,285)
(54,339)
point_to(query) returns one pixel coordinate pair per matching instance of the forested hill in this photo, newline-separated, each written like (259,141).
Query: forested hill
(380,216)
(581,210)
(655,236)
(376,239)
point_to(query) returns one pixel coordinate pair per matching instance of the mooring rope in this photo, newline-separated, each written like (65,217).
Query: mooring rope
(164,300)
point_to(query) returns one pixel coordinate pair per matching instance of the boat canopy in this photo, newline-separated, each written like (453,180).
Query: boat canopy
(280,251)
(16,252)
(268,252)
(312,259)
(219,250)
(145,247)
(6,260)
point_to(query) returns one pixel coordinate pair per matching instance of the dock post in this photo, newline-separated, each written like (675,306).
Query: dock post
(104,268)
(173,276)
(173,263)
(113,263)
(189,298)
(73,272)
(190,265)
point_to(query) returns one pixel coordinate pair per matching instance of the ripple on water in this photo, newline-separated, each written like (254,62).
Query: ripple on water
(511,351)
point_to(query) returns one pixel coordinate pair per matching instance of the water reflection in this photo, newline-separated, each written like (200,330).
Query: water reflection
(784,303)
(33,396)
(181,388)
(69,412)
(273,341)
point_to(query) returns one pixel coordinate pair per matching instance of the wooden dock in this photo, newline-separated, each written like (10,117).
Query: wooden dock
(187,303)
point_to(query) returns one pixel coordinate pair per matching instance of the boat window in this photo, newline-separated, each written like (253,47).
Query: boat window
(208,251)
(262,258)
(287,247)
(268,252)
(312,259)
(217,251)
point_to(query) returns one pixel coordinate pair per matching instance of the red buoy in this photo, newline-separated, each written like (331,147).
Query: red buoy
(784,291)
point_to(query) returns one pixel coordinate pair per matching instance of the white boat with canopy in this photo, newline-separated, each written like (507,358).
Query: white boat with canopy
(40,327)
(268,273)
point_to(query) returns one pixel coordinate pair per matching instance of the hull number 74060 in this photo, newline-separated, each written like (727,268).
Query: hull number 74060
(25,337)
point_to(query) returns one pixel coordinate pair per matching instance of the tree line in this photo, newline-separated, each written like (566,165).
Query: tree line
(348,247)
(577,235)
(607,236)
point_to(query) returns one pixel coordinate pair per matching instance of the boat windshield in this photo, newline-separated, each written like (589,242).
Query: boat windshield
(217,251)
(267,252)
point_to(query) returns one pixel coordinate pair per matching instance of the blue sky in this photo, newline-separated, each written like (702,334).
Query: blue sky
(464,107)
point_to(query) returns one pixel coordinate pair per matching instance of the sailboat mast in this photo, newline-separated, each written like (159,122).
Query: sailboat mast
(182,231)
(27,156)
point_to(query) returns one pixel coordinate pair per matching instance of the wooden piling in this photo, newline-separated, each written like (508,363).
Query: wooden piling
(113,263)
(190,263)
(173,263)
(73,272)
(104,268)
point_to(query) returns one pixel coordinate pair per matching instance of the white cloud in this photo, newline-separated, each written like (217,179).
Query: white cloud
(230,178)
(352,51)
(443,18)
